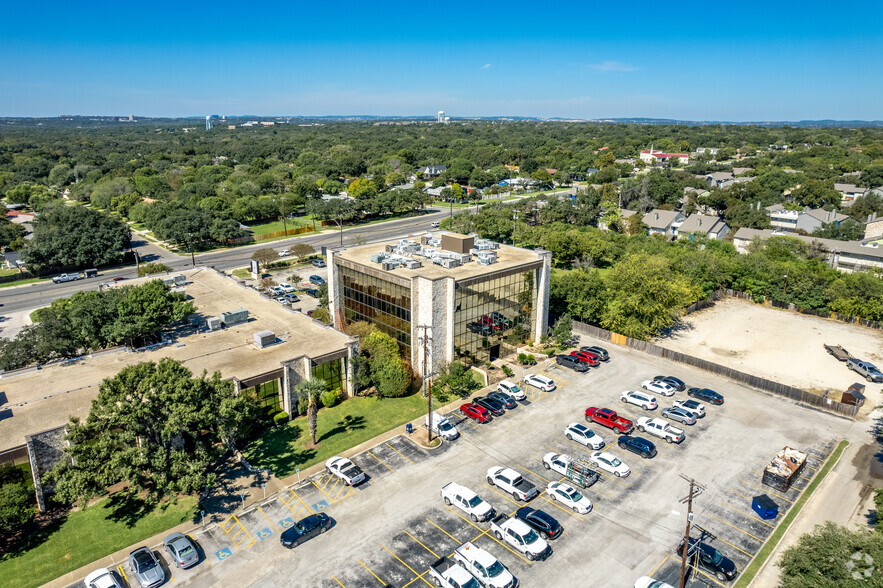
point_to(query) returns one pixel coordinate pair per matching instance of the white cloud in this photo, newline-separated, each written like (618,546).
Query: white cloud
(485,66)
(606,66)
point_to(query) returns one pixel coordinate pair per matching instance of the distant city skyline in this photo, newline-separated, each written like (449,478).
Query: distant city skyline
(690,61)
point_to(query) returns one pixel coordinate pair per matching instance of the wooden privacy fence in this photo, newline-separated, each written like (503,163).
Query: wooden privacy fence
(273,235)
(796,394)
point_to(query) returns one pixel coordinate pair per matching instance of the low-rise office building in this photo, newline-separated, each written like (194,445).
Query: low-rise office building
(846,256)
(475,299)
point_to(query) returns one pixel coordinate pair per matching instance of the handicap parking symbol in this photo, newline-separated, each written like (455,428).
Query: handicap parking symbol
(224,553)
(264,533)
(321,505)
(286,522)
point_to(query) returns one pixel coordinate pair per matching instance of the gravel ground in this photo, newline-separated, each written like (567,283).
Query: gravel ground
(781,345)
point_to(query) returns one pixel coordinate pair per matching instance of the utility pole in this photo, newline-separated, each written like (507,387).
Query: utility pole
(695,490)
(425,341)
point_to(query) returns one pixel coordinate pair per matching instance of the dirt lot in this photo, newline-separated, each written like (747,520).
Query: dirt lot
(777,344)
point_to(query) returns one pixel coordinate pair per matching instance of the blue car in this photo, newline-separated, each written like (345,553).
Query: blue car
(639,445)
(706,394)
(317,280)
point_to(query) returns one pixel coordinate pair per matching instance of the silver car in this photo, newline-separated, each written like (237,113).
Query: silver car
(182,550)
(680,415)
(146,567)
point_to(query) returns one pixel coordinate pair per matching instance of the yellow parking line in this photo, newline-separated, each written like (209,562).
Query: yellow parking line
(420,577)
(295,513)
(737,528)
(333,486)
(747,515)
(698,571)
(766,490)
(421,544)
(337,496)
(268,518)
(659,565)
(491,536)
(381,461)
(372,573)
(123,572)
(742,495)
(530,472)
(570,512)
(406,565)
(494,490)
(734,547)
(327,480)
(339,582)
(322,491)
(457,541)
(397,451)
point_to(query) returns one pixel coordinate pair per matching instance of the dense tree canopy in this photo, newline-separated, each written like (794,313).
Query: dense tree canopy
(833,556)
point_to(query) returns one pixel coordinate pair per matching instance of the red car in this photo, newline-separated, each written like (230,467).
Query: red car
(609,418)
(476,413)
(589,358)
(489,322)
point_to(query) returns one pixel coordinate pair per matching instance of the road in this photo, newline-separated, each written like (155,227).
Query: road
(17,298)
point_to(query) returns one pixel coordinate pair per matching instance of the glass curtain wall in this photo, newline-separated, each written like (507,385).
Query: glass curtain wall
(387,305)
(494,311)
(330,372)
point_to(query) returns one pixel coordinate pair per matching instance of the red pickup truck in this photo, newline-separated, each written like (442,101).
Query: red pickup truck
(609,418)
(476,412)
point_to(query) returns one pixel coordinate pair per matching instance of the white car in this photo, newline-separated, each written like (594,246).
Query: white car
(512,389)
(284,252)
(557,462)
(286,287)
(276,291)
(542,382)
(102,578)
(610,463)
(569,496)
(697,409)
(583,435)
(642,399)
(648,582)
(658,387)
(346,470)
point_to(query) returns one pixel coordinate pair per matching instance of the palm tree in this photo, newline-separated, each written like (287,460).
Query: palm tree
(311,389)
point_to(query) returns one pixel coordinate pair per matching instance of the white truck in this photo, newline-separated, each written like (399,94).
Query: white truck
(508,480)
(661,429)
(447,574)
(484,566)
(521,537)
(467,501)
(442,427)
(66,278)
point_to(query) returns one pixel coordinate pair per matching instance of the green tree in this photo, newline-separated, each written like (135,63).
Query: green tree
(311,391)
(302,250)
(848,230)
(832,555)
(457,378)
(562,332)
(155,427)
(16,507)
(265,256)
(144,310)
(579,293)
(153,267)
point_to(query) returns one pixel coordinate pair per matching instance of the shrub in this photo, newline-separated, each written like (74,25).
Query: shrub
(489,365)
(330,398)
(531,359)
(281,417)
(522,358)
(508,371)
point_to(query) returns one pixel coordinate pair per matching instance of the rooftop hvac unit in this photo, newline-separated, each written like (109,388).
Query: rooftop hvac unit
(213,323)
(234,317)
(462,257)
(390,248)
(169,281)
(486,245)
(449,263)
(487,257)
(264,338)
(413,264)
(389,265)
(179,279)
(378,257)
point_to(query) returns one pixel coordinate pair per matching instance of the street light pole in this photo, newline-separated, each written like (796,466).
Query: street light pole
(190,247)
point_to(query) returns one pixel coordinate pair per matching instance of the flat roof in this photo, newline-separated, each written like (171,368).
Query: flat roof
(508,258)
(37,400)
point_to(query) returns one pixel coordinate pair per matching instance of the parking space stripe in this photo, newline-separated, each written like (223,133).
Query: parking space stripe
(457,541)
(737,528)
(659,565)
(123,572)
(303,503)
(531,472)
(406,565)
(322,491)
(570,512)
(339,582)
(734,547)
(380,460)
(342,488)
(742,495)
(268,518)
(766,490)
(491,536)
(382,583)
(399,452)
(494,490)
(747,515)
(421,544)
(709,577)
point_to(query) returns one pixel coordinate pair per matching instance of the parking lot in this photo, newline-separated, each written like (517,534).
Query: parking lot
(388,530)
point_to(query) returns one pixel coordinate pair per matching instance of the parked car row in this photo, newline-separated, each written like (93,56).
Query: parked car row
(495,404)
(586,357)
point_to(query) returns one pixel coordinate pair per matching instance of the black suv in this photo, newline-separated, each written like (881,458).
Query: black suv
(639,445)
(709,559)
(709,396)
(572,362)
(542,523)
(494,406)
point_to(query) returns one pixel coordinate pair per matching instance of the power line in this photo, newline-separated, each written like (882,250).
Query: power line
(695,490)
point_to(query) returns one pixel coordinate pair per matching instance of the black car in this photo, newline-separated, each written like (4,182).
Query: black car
(599,351)
(312,292)
(501,320)
(709,396)
(710,559)
(639,445)
(494,406)
(503,399)
(480,329)
(304,529)
(542,523)
(672,381)
(572,362)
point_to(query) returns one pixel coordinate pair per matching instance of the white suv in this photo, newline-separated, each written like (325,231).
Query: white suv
(512,389)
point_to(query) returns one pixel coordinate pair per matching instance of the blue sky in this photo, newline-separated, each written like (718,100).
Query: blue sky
(688,60)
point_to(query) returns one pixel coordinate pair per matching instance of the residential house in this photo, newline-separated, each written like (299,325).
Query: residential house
(581,176)
(709,150)
(738,171)
(849,192)
(651,156)
(712,227)
(433,171)
(623,213)
(846,256)
(718,179)
(695,194)
(663,222)
(873,228)
(808,219)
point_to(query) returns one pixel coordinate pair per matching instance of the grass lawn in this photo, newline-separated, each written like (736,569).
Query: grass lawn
(8,272)
(23,282)
(758,561)
(242,273)
(84,536)
(275,226)
(341,427)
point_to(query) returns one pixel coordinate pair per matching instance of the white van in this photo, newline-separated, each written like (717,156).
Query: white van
(442,427)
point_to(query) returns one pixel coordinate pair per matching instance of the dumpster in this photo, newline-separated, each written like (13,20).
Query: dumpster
(784,469)
(764,506)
